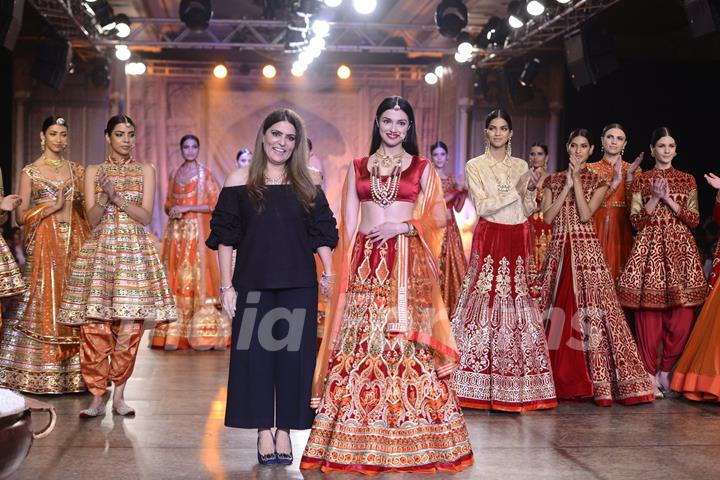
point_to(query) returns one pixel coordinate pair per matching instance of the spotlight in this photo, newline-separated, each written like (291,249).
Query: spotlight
(104,15)
(135,68)
(535,7)
(344,72)
(451,17)
(364,7)
(122,25)
(563,2)
(100,74)
(305,57)
(439,71)
(464,44)
(317,44)
(305,8)
(460,58)
(196,14)
(530,71)
(220,71)
(333,3)
(431,78)
(517,15)
(298,68)
(269,71)
(122,52)
(494,33)
(321,28)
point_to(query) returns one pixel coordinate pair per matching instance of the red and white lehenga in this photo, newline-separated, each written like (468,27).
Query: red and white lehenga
(504,362)
(592,350)
(453,264)
(697,373)
(383,367)
(663,279)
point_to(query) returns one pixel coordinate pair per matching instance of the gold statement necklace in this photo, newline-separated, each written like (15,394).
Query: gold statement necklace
(503,187)
(54,163)
(384,194)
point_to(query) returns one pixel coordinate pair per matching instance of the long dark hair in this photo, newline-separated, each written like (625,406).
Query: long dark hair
(188,137)
(498,113)
(296,170)
(410,144)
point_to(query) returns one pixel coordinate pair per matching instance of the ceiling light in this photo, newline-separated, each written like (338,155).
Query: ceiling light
(439,71)
(464,44)
(122,52)
(220,71)
(516,14)
(344,72)
(333,3)
(451,17)
(135,68)
(269,71)
(535,7)
(122,25)
(305,57)
(530,71)
(297,72)
(460,58)
(196,14)
(321,28)
(364,7)
(318,43)
(563,1)
(431,78)
(104,15)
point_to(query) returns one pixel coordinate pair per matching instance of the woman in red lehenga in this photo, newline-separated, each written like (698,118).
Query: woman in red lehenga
(663,279)
(504,363)
(612,219)
(453,264)
(192,269)
(592,351)
(697,373)
(381,387)
(540,232)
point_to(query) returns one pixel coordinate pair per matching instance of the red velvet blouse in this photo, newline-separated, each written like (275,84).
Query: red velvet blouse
(409,179)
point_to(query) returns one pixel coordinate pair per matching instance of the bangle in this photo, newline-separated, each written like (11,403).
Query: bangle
(412,232)
(103,205)
(225,289)
(120,202)
(327,275)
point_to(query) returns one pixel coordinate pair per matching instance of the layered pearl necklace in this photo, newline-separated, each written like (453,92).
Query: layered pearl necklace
(384,194)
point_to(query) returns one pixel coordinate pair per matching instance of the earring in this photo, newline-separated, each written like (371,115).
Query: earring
(487,149)
(602,148)
(42,144)
(508,148)
(622,151)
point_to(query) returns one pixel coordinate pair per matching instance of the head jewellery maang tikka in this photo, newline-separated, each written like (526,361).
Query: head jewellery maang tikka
(60,121)
(397,103)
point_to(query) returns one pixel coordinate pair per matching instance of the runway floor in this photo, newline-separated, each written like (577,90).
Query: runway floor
(178,433)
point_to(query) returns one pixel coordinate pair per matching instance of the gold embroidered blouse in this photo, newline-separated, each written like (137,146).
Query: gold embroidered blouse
(492,186)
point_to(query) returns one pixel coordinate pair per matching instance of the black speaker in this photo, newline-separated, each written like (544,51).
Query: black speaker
(590,55)
(52,62)
(703,16)
(11,14)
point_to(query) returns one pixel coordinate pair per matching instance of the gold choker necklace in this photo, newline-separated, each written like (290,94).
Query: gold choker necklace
(387,161)
(56,163)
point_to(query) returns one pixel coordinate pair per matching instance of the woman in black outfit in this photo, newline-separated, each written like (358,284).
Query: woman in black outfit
(276,217)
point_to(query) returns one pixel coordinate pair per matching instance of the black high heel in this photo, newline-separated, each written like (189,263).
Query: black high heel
(267,458)
(283,458)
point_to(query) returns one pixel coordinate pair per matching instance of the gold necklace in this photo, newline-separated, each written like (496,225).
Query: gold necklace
(503,187)
(385,194)
(387,161)
(54,163)
(278,180)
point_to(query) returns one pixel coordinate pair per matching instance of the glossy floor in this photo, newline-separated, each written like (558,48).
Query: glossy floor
(178,433)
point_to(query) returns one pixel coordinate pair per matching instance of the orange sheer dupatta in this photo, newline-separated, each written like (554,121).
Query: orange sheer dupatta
(418,312)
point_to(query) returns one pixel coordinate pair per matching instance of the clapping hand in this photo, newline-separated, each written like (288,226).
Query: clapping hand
(634,166)
(106,184)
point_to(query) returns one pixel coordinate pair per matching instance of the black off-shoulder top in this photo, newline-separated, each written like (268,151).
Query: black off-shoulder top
(274,247)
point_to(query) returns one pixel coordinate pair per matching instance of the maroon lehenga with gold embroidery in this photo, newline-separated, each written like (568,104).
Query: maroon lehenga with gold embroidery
(540,233)
(382,372)
(453,264)
(592,350)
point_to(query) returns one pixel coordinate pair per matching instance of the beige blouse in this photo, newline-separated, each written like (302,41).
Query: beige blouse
(492,186)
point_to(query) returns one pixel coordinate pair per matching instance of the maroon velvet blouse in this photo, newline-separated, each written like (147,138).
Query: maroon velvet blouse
(409,179)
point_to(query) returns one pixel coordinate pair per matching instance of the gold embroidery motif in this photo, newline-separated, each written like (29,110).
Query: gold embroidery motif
(485,277)
(521,288)
(502,281)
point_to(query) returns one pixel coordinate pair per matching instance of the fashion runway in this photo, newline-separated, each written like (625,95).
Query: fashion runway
(178,433)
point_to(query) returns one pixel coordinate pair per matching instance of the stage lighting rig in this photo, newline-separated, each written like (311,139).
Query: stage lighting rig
(451,17)
(196,14)
(530,72)
(104,15)
(122,25)
(305,7)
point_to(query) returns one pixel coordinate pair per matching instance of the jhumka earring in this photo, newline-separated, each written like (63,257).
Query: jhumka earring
(602,148)
(42,144)
(508,148)
(487,143)
(622,151)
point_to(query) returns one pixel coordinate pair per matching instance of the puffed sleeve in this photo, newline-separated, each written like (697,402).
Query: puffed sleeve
(322,227)
(226,223)
(486,205)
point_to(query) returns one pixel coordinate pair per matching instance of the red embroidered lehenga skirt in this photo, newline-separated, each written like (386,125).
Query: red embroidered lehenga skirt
(384,408)
(504,361)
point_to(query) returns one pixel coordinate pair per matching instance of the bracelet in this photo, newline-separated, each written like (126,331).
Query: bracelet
(328,275)
(121,202)
(412,231)
(225,289)
(103,205)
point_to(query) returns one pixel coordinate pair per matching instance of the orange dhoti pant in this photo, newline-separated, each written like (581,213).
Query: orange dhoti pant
(107,352)
(671,326)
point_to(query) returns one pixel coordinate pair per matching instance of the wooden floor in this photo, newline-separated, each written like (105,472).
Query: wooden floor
(179,433)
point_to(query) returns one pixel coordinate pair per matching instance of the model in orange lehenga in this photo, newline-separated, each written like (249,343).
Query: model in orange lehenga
(697,373)
(381,388)
(612,219)
(38,355)
(453,264)
(192,268)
